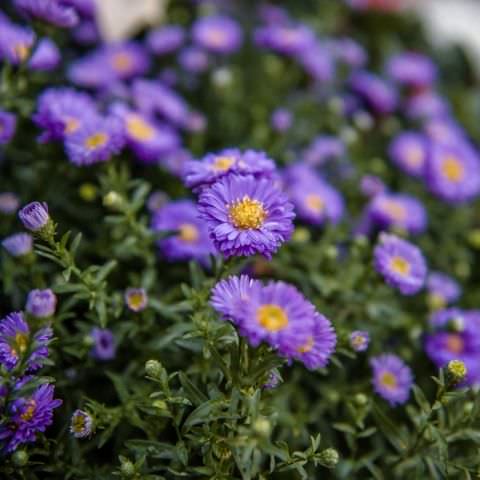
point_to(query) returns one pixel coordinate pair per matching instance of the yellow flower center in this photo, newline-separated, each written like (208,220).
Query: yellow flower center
(455,343)
(247,214)
(414,156)
(136,300)
(21,51)
(307,347)
(96,140)
(188,232)
(222,164)
(78,423)
(21,341)
(358,341)
(29,411)
(139,128)
(315,203)
(272,317)
(395,210)
(71,125)
(452,169)
(388,380)
(400,265)
(122,62)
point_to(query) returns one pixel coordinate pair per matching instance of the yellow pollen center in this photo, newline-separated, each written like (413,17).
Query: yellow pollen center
(29,411)
(388,380)
(247,214)
(122,62)
(395,210)
(139,128)
(414,156)
(135,300)
(21,342)
(71,125)
(452,169)
(96,140)
(188,232)
(400,265)
(455,343)
(222,164)
(307,347)
(78,424)
(21,50)
(315,203)
(272,317)
(358,341)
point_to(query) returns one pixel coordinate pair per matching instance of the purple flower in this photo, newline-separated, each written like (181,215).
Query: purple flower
(136,299)
(85,8)
(371,185)
(15,42)
(217,34)
(274,379)
(104,347)
(359,340)
(401,264)
(392,378)
(96,141)
(166,39)
(8,125)
(41,303)
(323,148)
(408,151)
(16,342)
(444,130)
(50,11)
(214,166)
(86,33)
(320,345)
(246,215)
(291,40)
(191,240)
(27,416)
(427,104)
(81,424)
(281,119)
(46,57)
(388,210)
(443,288)
(18,244)
(34,216)
(193,59)
(9,203)
(453,172)
(156,200)
(378,94)
(412,69)
(348,51)
(317,62)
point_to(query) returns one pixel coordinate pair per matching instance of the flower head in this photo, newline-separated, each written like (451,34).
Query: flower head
(427,104)
(193,59)
(81,424)
(18,244)
(409,151)
(359,340)
(136,299)
(41,303)
(166,39)
(412,69)
(8,125)
(378,94)
(400,263)
(9,203)
(246,215)
(286,39)
(281,119)
(217,34)
(34,216)
(442,288)
(15,42)
(323,148)
(46,57)
(392,378)
(104,347)
(54,12)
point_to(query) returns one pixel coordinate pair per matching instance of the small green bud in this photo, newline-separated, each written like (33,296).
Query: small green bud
(435,301)
(160,404)
(262,426)
(329,457)
(468,407)
(301,235)
(331,252)
(474,238)
(456,371)
(360,399)
(153,368)
(363,121)
(127,469)
(88,341)
(20,458)
(87,192)
(336,105)
(348,135)
(112,200)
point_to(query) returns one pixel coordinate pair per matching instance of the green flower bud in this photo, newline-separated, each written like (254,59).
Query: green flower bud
(360,399)
(153,368)
(160,404)
(87,192)
(127,469)
(456,371)
(329,457)
(112,200)
(331,252)
(262,426)
(301,235)
(20,458)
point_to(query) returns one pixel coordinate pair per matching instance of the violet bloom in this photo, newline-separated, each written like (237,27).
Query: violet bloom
(427,104)
(15,43)
(104,346)
(193,59)
(166,39)
(191,240)
(217,34)
(378,94)
(86,33)
(401,264)
(444,130)
(214,166)
(8,126)
(442,288)
(412,70)
(9,203)
(392,378)
(274,379)
(281,119)
(409,150)
(317,62)
(46,57)
(292,39)
(54,12)
(156,200)
(323,148)
(359,340)
(246,216)
(27,416)
(41,303)
(136,299)
(34,216)
(371,185)
(18,245)
(81,424)
(86,8)
(348,51)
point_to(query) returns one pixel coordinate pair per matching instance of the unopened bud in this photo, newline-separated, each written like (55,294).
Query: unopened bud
(153,368)
(456,371)
(20,458)
(329,457)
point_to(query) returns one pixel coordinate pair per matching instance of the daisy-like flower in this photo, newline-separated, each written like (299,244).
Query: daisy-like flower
(445,131)
(81,424)
(401,264)
(191,240)
(392,378)
(15,42)
(453,172)
(97,141)
(41,303)
(136,299)
(34,216)
(412,69)
(246,215)
(9,203)
(216,165)
(217,34)
(359,340)
(104,346)
(442,289)
(16,341)
(26,416)
(388,210)
(8,125)
(18,244)
(320,345)
(166,39)
(55,12)
(409,150)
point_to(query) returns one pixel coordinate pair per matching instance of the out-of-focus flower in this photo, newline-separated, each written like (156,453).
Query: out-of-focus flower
(409,151)
(281,119)
(136,299)
(41,303)
(317,62)
(323,148)
(193,59)
(104,347)
(9,203)
(412,69)
(15,42)
(55,12)
(274,379)
(46,57)
(166,39)
(18,244)
(217,34)
(34,216)
(426,104)
(359,340)
(285,39)
(8,125)
(378,94)
(348,51)
(371,185)
(443,289)
(81,424)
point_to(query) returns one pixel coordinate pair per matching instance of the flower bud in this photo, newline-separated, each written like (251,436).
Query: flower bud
(359,340)
(153,368)
(81,424)
(456,371)
(127,469)
(20,458)
(34,216)
(360,399)
(41,303)
(329,457)
(262,426)
(87,192)
(112,200)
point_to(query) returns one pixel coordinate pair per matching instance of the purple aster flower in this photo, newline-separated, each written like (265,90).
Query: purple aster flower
(86,33)
(136,299)
(408,151)
(34,216)
(27,416)
(412,69)
(8,125)
(285,39)
(401,264)
(444,130)
(359,340)
(41,303)
(191,240)
(350,52)
(443,288)
(166,39)
(379,95)
(317,62)
(427,104)
(81,424)
(274,379)
(371,185)
(9,203)
(16,341)
(46,57)
(389,210)
(96,141)
(49,11)
(61,112)
(281,119)
(246,215)
(15,43)
(216,165)
(320,345)
(217,34)
(18,244)
(193,59)
(392,378)
(323,148)
(104,347)
(453,172)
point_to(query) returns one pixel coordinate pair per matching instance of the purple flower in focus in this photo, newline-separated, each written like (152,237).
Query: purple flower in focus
(8,125)
(18,244)
(443,288)
(41,303)
(401,264)
(104,347)
(378,94)
(34,216)
(49,11)
(412,69)
(166,39)
(359,340)
(392,378)
(217,34)
(9,203)
(46,57)
(281,119)
(409,150)
(136,299)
